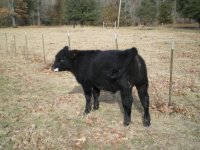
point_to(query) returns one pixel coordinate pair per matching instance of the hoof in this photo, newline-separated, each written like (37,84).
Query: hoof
(126,124)
(95,107)
(86,112)
(146,120)
(146,123)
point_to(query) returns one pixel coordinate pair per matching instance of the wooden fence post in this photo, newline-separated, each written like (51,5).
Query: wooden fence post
(15,45)
(69,44)
(44,57)
(26,46)
(171,71)
(116,42)
(6,42)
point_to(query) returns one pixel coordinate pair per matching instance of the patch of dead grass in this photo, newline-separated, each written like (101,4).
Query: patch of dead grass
(40,109)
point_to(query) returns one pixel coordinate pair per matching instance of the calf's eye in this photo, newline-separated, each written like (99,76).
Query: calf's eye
(62,60)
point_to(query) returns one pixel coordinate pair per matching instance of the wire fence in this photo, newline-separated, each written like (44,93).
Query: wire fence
(156,50)
(35,42)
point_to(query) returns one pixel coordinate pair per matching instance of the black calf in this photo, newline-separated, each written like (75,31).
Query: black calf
(108,70)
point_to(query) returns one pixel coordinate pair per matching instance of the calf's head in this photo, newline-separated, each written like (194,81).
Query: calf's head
(62,60)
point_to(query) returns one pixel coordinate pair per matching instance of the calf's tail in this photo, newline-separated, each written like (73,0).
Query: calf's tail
(131,53)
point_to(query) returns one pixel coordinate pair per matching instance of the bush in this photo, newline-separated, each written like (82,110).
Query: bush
(4,17)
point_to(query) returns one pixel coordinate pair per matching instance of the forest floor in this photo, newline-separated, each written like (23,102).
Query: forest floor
(40,109)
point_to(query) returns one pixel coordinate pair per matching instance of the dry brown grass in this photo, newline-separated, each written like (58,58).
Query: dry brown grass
(40,109)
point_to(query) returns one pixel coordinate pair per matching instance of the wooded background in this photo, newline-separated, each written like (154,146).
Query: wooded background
(94,12)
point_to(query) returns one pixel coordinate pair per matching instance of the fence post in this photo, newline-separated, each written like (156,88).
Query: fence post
(44,57)
(116,42)
(171,71)
(26,45)
(15,45)
(68,35)
(6,42)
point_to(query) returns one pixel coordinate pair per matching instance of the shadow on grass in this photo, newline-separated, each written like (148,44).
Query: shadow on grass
(187,27)
(111,98)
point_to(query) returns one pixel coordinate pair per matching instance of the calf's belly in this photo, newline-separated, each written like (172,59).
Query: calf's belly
(107,86)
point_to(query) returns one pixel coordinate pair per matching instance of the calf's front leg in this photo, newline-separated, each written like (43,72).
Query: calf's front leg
(88,93)
(96,93)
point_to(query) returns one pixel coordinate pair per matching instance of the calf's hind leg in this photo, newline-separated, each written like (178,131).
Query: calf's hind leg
(144,98)
(127,101)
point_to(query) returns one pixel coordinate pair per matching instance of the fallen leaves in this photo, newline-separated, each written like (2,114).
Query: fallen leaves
(79,142)
(92,120)
(47,69)
(32,137)
(165,108)
(89,120)
(109,135)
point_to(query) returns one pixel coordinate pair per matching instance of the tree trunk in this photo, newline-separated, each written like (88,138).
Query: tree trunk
(198,20)
(174,12)
(13,20)
(120,2)
(157,11)
(12,11)
(38,12)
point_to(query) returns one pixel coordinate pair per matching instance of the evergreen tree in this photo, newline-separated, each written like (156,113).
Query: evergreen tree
(147,11)
(165,12)
(190,9)
(81,10)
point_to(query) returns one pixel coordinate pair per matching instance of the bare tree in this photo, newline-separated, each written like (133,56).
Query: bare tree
(12,12)
(38,12)
(120,4)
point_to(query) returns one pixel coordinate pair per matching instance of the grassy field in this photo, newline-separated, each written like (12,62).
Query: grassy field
(40,109)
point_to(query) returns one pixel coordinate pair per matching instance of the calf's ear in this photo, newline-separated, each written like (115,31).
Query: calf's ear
(66,48)
(134,51)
